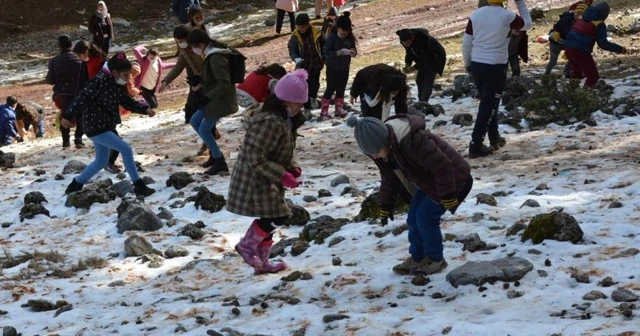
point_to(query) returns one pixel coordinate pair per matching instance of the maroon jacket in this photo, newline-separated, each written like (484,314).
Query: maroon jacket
(424,160)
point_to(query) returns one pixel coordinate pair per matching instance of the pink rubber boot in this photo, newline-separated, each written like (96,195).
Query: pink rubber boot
(340,113)
(324,110)
(264,251)
(248,245)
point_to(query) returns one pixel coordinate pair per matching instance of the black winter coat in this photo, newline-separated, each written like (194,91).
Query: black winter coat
(98,103)
(66,73)
(426,52)
(367,81)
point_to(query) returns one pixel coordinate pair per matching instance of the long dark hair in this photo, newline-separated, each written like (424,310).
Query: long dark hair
(390,83)
(274,70)
(273,104)
(344,22)
(96,52)
(81,47)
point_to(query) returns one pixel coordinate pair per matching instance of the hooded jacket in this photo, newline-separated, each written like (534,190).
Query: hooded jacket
(7,125)
(144,62)
(217,85)
(426,52)
(419,159)
(591,29)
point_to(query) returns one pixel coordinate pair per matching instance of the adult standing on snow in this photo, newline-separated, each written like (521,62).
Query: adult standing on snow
(180,9)
(265,167)
(99,102)
(8,128)
(101,27)
(306,48)
(196,20)
(379,87)
(219,95)
(66,75)
(422,169)
(485,52)
(429,56)
(286,6)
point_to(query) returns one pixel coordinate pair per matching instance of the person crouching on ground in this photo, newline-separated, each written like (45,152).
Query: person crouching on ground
(219,95)
(429,56)
(259,84)
(424,171)
(99,102)
(378,87)
(8,129)
(265,167)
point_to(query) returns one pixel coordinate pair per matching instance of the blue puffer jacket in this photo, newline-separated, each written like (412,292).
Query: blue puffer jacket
(591,29)
(7,125)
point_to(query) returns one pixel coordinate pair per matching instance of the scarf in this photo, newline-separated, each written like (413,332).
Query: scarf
(102,15)
(386,106)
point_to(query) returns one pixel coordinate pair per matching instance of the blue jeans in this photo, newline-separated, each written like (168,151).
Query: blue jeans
(103,143)
(203,127)
(425,237)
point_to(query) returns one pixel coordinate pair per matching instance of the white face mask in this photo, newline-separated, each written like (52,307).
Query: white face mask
(199,23)
(121,81)
(183,45)
(151,59)
(197,51)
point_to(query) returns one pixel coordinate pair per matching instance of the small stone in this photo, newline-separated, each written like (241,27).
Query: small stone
(134,216)
(341,179)
(6,225)
(542,186)
(73,166)
(336,240)
(172,222)
(334,317)
(500,194)
(180,180)
(324,193)
(299,247)
(594,295)
(583,306)
(547,262)
(31,210)
(630,252)
(192,231)
(543,273)
(530,203)
(626,305)
(616,205)
(3,312)
(336,261)
(420,280)
(477,216)
(487,199)
(34,197)
(628,313)
(516,228)
(123,188)
(270,22)
(165,214)
(213,333)
(59,177)
(10,331)
(306,276)
(437,295)
(117,283)
(180,328)
(446,330)
(235,311)
(581,278)
(294,276)
(513,294)
(175,251)
(623,295)
(309,199)
(121,176)
(606,282)
(534,251)
(505,285)
(148,180)
(462,119)
(136,246)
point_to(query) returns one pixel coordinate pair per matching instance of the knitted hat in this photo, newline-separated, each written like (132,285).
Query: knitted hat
(302,19)
(371,134)
(581,8)
(293,87)
(404,34)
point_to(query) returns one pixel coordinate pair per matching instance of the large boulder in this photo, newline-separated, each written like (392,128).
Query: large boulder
(7,160)
(556,225)
(481,272)
(135,216)
(299,215)
(122,188)
(29,211)
(207,200)
(34,197)
(463,86)
(370,208)
(179,180)
(136,246)
(73,167)
(97,192)
(322,228)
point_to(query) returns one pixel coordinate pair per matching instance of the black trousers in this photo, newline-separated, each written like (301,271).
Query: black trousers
(270,224)
(514,63)
(490,80)
(104,44)
(336,82)
(63,102)
(313,81)
(292,20)
(149,96)
(368,111)
(424,80)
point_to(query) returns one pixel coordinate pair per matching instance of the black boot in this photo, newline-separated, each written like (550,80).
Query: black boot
(209,161)
(477,150)
(66,143)
(497,142)
(141,189)
(219,165)
(73,187)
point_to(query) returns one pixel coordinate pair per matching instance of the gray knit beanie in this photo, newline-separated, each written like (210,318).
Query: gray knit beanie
(371,134)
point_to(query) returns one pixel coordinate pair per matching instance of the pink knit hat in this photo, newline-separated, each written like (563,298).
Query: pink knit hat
(293,87)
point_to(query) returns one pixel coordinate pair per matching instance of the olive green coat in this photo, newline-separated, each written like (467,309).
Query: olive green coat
(217,85)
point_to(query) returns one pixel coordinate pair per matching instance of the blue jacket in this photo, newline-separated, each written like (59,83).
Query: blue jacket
(335,43)
(7,125)
(591,29)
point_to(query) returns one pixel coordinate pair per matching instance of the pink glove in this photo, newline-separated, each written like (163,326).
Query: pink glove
(296,172)
(289,181)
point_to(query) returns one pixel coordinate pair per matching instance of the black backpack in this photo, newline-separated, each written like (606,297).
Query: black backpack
(564,25)
(237,66)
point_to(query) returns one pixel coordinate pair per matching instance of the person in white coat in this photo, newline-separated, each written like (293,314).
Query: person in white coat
(286,6)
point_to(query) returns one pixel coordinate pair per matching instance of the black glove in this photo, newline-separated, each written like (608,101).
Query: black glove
(450,203)
(203,101)
(386,213)
(194,80)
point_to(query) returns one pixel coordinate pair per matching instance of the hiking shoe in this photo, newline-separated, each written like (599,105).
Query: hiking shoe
(80,145)
(479,150)
(73,187)
(113,168)
(219,165)
(209,162)
(66,144)
(203,149)
(141,189)
(428,266)
(497,142)
(405,267)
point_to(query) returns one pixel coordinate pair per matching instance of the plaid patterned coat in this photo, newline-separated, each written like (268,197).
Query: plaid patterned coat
(266,154)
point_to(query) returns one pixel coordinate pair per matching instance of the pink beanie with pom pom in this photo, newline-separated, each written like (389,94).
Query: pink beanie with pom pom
(293,87)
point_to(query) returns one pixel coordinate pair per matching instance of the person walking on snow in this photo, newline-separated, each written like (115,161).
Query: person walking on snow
(196,15)
(379,87)
(259,84)
(339,48)
(99,102)
(429,56)
(306,47)
(151,67)
(558,34)
(265,167)
(286,6)
(8,128)
(219,95)
(180,9)
(485,52)
(422,169)
(101,27)
(581,40)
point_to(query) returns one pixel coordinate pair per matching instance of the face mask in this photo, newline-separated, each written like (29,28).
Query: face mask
(197,51)
(151,59)
(199,23)
(183,45)
(119,80)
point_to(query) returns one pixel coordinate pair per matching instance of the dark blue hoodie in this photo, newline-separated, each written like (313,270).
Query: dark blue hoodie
(591,29)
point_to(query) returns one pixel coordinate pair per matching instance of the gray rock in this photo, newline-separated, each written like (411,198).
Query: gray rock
(556,226)
(336,261)
(542,186)
(334,317)
(117,283)
(530,203)
(439,123)
(420,280)
(472,243)
(299,215)
(136,246)
(175,251)
(487,199)
(59,177)
(516,228)
(543,273)
(192,231)
(122,188)
(478,273)
(607,282)
(172,222)
(148,180)
(513,294)
(477,216)
(623,295)
(9,331)
(341,179)
(270,22)
(616,205)
(134,216)
(34,197)
(324,193)
(309,199)
(155,260)
(121,176)
(30,211)
(581,278)
(165,214)
(500,194)
(208,201)
(73,167)
(299,247)
(424,108)
(534,251)
(630,252)
(322,228)
(462,119)
(335,241)
(202,265)
(97,192)
(179,180)
(300,332)
(278,249)
(7,160)
(594,295)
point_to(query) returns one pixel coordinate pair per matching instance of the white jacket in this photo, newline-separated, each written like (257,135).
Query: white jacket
(287,5)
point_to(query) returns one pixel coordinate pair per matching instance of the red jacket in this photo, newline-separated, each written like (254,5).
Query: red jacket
(94,65)
(256,85)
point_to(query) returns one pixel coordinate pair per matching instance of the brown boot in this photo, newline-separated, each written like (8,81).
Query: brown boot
(404,268)
(428,266)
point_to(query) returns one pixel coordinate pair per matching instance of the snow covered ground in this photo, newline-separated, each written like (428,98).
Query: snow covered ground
(585,171)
